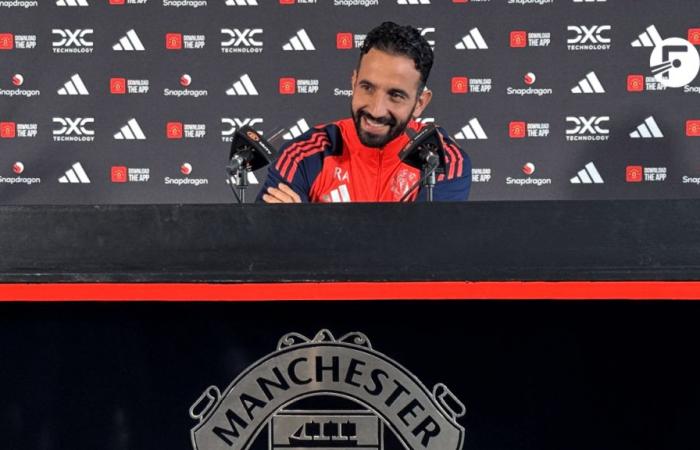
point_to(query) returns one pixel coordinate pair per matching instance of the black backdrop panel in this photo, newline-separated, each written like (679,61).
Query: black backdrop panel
(130,129)
(624,240)
(533,375)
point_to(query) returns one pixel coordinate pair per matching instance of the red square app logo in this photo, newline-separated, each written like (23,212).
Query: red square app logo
(118,174)
(7,41)
(117,2)
(692,128)
(460,85)
(343,41)
(634,174)
(8,130)
(635,83)
(694,36)
(287,2)
(117,85)
(460,1)
(173,130)
(288,86)
(173,41)
(518,39)
(517,130)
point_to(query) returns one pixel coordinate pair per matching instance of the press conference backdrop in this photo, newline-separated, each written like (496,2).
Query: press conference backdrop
(135,101)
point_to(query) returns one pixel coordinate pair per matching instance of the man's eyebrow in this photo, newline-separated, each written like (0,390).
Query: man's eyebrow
(363,81)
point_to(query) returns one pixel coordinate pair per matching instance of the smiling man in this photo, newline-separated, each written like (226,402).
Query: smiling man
(356,159)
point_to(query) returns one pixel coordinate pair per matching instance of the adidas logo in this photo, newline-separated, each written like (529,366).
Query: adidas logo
(244,86)
(241,2)
(300,41)
(72,3)
(413,2)
(472,130)
(650,38)
(128,43)
(340,195)
(74,86)
(130,131)
(75,175)
(647,130)
(589,85)
(472,41)
(296,130)
(588,175)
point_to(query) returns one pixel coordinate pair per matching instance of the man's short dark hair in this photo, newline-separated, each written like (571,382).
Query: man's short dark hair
(401,40)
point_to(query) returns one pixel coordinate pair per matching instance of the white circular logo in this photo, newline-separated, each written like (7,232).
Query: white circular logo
(675,62)
(186,168)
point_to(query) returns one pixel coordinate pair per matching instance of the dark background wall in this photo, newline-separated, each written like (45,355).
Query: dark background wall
(496,158)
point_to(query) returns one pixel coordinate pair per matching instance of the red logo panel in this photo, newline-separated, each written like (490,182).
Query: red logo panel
(460,85)
(517,130)
(635,83)
(117,85)
(343,41)
(118,174)
(634,174)
(288,86)
(117,2)
(8,130)
(173,130)
(287,2)
(692,128)
(173,41)
(7,41)
(518,39)
(694,36)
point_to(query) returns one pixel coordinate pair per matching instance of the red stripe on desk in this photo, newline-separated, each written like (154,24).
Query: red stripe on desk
(511,290)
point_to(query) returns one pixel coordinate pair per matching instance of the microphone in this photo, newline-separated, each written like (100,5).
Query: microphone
(249,151)
(424,149)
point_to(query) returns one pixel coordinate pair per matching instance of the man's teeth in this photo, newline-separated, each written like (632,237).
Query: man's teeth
(373,123)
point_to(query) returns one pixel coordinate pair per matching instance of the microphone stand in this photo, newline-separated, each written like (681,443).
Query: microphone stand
(429,179)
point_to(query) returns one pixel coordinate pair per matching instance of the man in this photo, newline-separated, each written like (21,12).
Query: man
(356,159)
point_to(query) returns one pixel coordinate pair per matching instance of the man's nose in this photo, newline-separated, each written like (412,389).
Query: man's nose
(377,106)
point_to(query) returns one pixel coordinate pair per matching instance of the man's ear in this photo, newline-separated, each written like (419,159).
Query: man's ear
(423,101)
(353,78)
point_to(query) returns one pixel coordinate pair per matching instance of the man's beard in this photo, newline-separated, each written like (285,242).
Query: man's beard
(376,140)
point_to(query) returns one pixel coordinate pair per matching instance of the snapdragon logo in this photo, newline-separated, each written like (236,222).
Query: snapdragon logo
(530,2)
(587,128)
(242,40)
(25,4)
(674,62)
(348,3)
(589,38)
(72,41)
(529,80)
(185,82)
(528,169)
(17,80)
(185,3)
(186,170)
(73,129)
(18,169)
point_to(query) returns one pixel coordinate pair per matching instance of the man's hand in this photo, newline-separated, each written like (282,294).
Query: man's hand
(281,194)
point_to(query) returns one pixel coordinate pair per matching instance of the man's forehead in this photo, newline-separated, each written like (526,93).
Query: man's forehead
(377,66)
